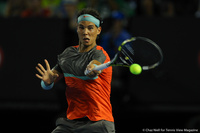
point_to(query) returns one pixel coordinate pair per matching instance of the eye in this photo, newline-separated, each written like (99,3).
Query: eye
(81,27)
(90,27)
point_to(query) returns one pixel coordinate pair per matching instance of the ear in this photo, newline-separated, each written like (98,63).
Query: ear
(98,30)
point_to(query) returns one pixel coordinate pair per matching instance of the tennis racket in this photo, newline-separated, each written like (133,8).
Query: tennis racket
(140,50)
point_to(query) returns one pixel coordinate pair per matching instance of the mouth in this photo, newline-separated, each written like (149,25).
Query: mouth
(86,39)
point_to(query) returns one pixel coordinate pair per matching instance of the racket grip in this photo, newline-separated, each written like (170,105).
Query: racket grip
(98,67)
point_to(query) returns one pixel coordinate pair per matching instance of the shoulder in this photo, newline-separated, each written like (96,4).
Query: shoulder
(71,48)
(76,46)
(100,49)
(68,50)
(100,54)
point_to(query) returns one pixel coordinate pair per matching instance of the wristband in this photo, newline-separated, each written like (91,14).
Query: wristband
(45,87)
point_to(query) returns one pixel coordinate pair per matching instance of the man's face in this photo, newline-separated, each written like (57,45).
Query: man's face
(87,33)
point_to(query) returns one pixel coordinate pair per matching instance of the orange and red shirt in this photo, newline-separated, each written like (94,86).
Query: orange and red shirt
(86,96)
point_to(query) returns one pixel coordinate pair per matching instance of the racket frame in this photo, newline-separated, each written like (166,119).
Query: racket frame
(113,61)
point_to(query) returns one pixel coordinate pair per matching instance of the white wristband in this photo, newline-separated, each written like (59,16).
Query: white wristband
(45,87)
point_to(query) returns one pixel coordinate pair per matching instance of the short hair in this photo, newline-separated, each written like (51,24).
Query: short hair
(92,12)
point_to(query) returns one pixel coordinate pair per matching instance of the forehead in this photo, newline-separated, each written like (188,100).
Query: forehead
(86,23)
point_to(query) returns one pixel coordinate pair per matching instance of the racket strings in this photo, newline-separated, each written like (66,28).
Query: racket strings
(142,51)
(118,61)
(127,57)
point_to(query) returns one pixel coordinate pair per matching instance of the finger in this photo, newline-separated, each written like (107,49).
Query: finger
(92,74)
(90,66)
(42,73)
(96,71)
(47,64)
(41,67)
(86,72)
(57,75)
(40,77)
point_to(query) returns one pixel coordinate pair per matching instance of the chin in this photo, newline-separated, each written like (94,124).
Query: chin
(87,44)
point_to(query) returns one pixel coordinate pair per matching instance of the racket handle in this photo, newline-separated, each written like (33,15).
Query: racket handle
(98,67)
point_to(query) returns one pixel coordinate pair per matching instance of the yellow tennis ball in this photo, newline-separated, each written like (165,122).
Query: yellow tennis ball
(135,69)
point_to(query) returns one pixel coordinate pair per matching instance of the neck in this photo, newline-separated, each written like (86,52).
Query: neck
(85,48)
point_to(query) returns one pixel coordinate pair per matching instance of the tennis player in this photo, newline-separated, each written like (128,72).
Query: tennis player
(88,96)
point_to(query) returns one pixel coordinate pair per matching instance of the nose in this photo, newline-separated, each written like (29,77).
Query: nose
(85,31)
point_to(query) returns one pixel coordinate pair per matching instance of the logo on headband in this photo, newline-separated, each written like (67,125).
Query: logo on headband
(85,16)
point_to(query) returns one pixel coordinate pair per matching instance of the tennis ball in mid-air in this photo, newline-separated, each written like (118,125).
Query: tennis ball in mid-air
(135,69)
